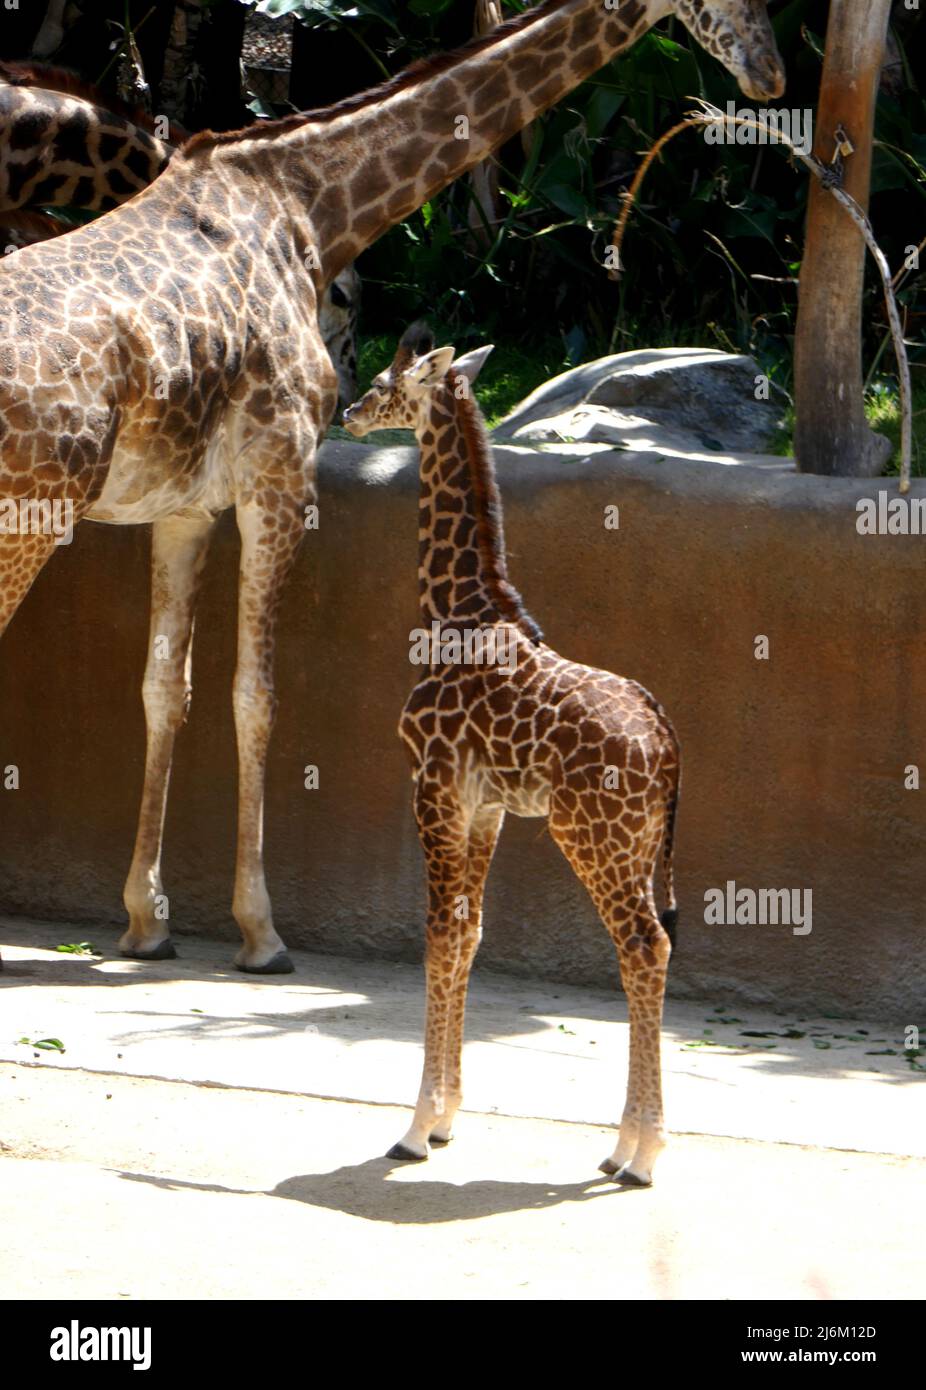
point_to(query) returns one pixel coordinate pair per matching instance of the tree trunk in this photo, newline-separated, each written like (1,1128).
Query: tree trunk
(178,79)
(831,433)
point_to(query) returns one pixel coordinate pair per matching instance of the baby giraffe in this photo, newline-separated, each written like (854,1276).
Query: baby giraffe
(499,722)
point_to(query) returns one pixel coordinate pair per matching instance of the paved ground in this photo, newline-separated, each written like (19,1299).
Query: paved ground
(208,1135)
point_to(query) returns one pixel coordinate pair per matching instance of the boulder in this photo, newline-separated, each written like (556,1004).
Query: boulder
(695,403)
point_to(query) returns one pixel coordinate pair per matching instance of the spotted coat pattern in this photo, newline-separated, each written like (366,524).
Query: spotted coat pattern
(165,362)
(592,752)
(66,148)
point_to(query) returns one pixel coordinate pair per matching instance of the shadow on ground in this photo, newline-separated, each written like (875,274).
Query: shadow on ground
(363,1190)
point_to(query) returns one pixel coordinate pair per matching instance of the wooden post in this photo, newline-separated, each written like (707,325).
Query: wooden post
(831,433)
(174,95)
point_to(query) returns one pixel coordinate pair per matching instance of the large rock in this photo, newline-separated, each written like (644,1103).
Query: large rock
(693,403)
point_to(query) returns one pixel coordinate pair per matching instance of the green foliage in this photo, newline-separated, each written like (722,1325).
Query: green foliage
(713,249)
(44,1044)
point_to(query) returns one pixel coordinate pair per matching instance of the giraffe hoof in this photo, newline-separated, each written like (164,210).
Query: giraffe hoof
(608,1166)
(439,1141)
(280,964)
(164,950)
(628,1179)
(401,1151)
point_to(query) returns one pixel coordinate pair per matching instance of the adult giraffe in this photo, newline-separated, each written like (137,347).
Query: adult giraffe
(65,144)
(165,363)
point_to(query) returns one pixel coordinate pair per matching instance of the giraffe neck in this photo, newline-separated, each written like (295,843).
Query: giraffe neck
(462,567)
(365,164)
(61,149)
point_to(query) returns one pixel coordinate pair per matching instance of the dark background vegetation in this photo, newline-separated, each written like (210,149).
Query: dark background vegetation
(713,250)
(714,246)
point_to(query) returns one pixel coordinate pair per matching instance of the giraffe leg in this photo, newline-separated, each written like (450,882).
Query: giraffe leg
(178,554)
(444,839)
(21,558)
(644,959)
(483,836)
(624,899)
(269,542)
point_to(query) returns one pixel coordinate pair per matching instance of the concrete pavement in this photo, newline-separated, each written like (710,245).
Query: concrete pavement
(209,1135)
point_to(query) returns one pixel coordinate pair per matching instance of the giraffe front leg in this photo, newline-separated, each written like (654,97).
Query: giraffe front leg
(483,836)
(21,558)
(178,555)
(269,542)
(440,964)
(443,834)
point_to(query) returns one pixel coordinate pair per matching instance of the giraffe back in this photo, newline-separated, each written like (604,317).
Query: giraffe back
(59,149)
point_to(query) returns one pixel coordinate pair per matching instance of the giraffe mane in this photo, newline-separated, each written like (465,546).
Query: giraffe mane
(416,72)
(490,536)
(53,79)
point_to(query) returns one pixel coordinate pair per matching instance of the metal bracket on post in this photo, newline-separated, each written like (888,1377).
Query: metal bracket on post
(832,177)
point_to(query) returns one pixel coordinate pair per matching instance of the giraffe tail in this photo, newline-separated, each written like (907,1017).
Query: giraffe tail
(669,918)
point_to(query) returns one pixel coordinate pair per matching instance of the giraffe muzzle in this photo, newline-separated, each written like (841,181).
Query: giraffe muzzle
(764,80)
(350,423)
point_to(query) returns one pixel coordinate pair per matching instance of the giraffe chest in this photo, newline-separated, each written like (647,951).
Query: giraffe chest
(493,757)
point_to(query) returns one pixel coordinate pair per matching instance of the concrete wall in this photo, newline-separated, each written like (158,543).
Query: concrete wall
(793,767)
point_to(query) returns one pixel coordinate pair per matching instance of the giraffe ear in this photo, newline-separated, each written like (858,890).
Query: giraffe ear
(471,363)
(428,370)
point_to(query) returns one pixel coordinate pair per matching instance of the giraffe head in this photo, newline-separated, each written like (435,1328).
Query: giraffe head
(400,397)
(739,33)
(337,323)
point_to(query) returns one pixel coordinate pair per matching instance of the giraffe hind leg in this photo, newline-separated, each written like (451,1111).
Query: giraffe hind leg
(624,899)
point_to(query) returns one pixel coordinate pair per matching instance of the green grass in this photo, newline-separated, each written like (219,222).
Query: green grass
(882,409)
(510,374)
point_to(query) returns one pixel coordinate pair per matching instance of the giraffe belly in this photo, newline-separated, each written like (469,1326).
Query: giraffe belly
(135,492)
(524,793)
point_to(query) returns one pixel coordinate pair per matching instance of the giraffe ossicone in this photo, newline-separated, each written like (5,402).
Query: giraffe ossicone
(592,752)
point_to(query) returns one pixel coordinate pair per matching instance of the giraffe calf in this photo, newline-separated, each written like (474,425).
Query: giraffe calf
(533,734)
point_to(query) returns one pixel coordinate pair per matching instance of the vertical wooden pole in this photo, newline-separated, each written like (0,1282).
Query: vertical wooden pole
(831,433)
